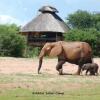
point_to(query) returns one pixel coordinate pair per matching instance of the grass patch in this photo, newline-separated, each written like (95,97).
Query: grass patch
(25,94)
(49,87)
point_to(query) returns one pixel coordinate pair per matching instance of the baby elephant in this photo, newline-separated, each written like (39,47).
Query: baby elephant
(91,67)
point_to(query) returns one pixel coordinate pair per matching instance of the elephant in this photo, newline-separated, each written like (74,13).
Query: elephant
(91,67)
(77,53)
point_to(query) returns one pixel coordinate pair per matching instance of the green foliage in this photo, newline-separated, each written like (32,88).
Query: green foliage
(32,51)
(98,26)
(81,19)
(90,36)
(97,21)
(11,43)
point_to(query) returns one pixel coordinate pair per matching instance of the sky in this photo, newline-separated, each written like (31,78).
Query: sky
(22,11)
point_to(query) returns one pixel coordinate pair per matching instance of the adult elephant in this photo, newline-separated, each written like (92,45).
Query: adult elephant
(73,52)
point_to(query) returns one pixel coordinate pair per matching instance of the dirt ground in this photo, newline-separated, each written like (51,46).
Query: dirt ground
(12,67)
(9,65)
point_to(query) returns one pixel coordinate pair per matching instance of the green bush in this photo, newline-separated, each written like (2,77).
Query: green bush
(81,19)
(91,36)
(32,51)
(84,19)
(11,43)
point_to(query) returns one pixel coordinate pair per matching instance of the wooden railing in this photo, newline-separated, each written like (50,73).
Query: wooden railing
(41,39)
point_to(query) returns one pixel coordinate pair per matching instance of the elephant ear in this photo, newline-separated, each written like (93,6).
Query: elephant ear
(56,50)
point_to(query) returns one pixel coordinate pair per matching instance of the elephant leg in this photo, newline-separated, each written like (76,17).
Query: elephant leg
(80,64)
(59,66)
(86,72)
(96,72)
(92,72)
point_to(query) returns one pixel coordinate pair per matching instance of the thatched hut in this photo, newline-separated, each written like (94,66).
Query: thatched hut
(46,27)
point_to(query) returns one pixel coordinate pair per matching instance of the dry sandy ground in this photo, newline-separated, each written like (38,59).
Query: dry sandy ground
(9,65)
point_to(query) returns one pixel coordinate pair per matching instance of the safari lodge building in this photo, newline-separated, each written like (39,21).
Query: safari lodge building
(46,27)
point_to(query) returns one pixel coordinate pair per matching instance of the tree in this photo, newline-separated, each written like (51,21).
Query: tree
(11,43)
(97,21)
(81,19)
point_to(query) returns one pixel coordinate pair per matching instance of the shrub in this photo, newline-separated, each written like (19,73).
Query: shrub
(32,51)
(11,43)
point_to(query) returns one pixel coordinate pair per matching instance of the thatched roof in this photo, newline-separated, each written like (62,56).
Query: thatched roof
(47,21)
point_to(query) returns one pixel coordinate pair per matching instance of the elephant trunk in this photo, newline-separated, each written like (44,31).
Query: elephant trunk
(40,64)
(42,53)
